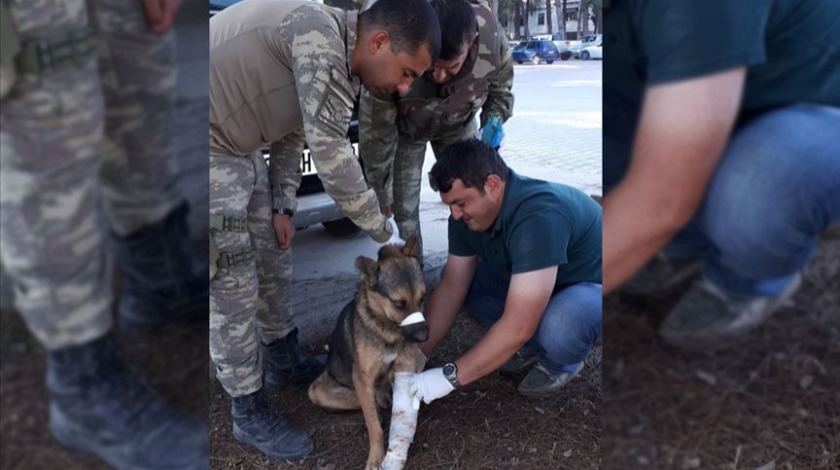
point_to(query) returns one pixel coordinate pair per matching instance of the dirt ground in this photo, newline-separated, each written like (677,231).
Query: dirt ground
(771,400)
(487,425)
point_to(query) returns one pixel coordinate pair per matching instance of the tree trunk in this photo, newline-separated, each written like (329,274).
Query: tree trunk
(561,17)
(494,7)
(517,17)
(527,19)
(584,17)
(599,21)
(548,16)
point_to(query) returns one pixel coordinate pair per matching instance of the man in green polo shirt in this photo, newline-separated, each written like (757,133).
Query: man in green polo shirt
(524,257)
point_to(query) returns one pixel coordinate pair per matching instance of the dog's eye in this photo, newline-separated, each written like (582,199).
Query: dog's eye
(399,304)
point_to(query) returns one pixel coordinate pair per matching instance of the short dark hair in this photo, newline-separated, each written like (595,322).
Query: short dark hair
(468,160)
(458,24)
(410,23)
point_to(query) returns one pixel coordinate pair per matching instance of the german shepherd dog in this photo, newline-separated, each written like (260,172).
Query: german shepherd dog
(376,336)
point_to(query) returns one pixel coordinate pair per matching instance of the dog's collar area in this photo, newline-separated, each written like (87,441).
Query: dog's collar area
(415,317)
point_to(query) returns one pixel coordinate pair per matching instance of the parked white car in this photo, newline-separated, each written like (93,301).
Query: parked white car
(592,52)
(589,40)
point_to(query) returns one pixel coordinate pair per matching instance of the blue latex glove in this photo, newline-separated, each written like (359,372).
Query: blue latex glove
(492,132)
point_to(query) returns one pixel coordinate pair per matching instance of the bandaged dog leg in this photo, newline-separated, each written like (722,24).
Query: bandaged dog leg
(403,423)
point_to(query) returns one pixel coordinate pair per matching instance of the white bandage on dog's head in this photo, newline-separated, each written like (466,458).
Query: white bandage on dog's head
(416,317)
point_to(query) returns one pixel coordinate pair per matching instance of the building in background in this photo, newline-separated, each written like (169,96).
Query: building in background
(535,17)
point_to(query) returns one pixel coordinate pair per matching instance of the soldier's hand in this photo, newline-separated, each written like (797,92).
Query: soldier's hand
(284,230)
(493,132)
(395,233)
(386,211)
(160,14)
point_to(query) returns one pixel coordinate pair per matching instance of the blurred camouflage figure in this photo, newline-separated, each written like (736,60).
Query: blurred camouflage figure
(473,73)
(86,160)
(287,72)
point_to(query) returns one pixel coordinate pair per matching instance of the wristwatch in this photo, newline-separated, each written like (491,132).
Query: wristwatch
(450,373)
(288,212)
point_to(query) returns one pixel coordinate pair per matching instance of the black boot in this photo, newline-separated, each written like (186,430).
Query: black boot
(257,424)
(99,405)
(164,275)
(286,364)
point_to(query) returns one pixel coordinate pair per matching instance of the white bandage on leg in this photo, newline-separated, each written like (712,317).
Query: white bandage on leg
(403,423)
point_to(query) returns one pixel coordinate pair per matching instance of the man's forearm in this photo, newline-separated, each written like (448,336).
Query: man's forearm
(441,312)
(494,349)
(682,133)
(637,231)
(284,170)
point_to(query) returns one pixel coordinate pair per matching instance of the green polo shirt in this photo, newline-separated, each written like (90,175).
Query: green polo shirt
(540,224)
(790,48)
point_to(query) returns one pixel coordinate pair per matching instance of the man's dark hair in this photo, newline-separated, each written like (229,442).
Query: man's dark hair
(458,25)
(410,23)
(468,160)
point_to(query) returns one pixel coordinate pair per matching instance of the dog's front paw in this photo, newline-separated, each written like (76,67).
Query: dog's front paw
(374,461)
(393,462)
(372,466)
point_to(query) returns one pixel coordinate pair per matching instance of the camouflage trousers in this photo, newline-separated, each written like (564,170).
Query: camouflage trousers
(249,302)
(408,179)
(85,148)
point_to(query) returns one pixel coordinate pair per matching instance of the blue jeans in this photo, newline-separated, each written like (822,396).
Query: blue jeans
(776,187)
(569,327)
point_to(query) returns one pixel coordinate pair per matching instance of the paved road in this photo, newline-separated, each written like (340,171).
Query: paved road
(555,134)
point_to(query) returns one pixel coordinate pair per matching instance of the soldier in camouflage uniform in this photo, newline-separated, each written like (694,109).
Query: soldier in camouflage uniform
(78,136)
(473,73)
(287,72)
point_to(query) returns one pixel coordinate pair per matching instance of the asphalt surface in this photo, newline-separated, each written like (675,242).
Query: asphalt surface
(555,135)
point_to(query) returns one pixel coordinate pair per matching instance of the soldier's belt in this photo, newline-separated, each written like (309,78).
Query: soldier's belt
(236,258)
(39,55)
(228,223)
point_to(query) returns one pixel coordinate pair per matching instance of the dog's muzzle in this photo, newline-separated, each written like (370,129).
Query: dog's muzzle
(414,328)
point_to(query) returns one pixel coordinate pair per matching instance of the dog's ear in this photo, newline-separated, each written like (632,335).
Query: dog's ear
(368,268)
(410,247)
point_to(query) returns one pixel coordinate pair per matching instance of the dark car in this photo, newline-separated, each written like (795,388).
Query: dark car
(314,205)
(536,51)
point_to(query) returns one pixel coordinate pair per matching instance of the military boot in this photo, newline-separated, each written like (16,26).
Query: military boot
(286,364)
(258,424)
(99,405)
(164,275)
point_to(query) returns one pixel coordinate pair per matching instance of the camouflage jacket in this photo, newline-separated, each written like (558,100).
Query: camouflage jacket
(438,112)
(280,74)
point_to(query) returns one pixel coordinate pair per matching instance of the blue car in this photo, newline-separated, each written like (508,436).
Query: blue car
(536,51)
(219,5)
